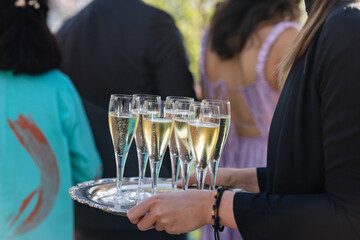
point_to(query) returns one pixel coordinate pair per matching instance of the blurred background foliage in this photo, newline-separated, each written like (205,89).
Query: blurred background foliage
(192,18)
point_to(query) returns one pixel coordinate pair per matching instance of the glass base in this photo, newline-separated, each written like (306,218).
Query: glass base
(122,199)
(139,196)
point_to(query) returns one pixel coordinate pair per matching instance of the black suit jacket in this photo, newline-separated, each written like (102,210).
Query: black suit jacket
(121,46)
(312,185)
(124,46)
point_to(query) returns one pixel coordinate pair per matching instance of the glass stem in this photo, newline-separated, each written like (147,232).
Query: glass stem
(120,163)
(200,178)
(185,167)
(142,161)
(177,173)
(214,164)
(175,167)
(155,170)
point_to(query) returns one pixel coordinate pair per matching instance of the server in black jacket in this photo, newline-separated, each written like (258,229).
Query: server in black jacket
(121,46)
(311,186)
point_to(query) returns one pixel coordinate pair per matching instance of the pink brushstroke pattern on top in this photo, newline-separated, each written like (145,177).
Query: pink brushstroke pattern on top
(35,143)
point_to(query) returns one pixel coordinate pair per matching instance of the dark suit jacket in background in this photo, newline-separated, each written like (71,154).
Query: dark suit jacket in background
(124,46)
(121,46)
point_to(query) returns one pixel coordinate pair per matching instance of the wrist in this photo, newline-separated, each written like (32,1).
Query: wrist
(226,212)
(234,178)
(207,202)
(246,179)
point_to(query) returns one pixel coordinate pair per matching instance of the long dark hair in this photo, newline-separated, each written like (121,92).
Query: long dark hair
(235,20)
(26,43)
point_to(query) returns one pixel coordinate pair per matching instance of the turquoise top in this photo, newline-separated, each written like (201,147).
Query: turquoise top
(46,146)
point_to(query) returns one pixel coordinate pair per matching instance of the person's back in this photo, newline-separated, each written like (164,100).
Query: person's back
(121,46)
(124,46)
(248,81)
(246,75)
(44,152)
(46,145)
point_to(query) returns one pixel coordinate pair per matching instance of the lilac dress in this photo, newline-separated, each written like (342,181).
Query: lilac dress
(261,99)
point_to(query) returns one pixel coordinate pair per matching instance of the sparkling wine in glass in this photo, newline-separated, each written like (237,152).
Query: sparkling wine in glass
(181,133)
(142,152)
(157,130)
(204,131)
(174,156)
(123,123)
(225,117)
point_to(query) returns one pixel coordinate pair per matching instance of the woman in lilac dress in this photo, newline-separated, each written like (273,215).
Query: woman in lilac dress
(240,52)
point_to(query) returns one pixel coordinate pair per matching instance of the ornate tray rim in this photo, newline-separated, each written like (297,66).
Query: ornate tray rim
(78,192)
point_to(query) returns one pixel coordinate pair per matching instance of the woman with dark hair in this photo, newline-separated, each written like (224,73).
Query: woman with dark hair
(46,145)
(27,45)
(310,188)
(246,41)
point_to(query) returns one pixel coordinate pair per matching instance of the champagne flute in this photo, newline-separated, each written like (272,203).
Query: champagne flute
(157,129)
(203,131)
(122,123)
(180,117)
(225,116)
(142,152)
(174,156)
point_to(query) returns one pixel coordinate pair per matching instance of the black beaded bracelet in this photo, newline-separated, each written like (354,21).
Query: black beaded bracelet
(215,212)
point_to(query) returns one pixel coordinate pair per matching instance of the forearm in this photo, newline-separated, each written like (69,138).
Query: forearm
(245,178)
(226,212)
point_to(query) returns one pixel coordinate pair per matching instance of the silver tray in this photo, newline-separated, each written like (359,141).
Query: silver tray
(100,193)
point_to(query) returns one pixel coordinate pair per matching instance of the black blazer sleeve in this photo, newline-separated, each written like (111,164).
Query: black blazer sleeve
(167,58)
(261,176)
(334,214)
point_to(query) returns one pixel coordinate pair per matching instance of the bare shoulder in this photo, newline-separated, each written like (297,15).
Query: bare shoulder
(278,52)
(283,43)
